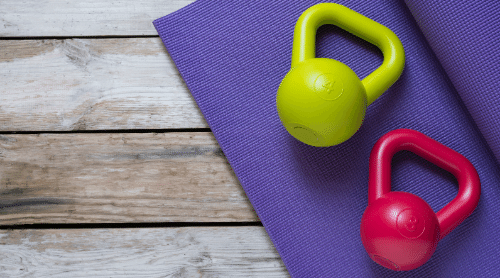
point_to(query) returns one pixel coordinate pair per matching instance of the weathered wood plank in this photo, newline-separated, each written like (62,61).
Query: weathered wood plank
(118,178)
(83,18)
(97,84)
(158,252)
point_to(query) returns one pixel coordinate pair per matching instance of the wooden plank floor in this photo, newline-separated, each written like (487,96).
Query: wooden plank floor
(107,167)
(92,84)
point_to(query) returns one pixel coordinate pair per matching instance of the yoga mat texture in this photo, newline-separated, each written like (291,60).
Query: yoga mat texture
(233,56)
(465,35)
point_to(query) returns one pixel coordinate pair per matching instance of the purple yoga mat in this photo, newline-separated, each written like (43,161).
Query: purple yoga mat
(465,35)
(233,56)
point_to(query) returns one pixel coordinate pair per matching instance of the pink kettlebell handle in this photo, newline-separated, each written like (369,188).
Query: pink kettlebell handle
(469,186)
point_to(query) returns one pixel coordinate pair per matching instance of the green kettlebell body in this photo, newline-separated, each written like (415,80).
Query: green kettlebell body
(321,101)
(329,88)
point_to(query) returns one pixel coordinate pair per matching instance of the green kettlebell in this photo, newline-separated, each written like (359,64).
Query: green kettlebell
(321,101)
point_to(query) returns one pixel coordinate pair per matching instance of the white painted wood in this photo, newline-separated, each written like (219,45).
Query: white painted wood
(92,84)
(83,18)
(157,252)
(118,178)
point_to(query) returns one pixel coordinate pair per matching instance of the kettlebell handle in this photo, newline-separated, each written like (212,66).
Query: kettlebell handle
(329,13)
(469,186)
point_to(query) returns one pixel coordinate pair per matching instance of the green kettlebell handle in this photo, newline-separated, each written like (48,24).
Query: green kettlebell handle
(328,13)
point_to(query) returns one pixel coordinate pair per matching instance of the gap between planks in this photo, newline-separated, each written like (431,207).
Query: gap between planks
(192,130)
(48,226)
(75,37)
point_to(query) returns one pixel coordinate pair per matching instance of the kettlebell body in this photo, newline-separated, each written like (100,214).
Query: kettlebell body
(329,88)
(398,222)
(321,101)
(399,230)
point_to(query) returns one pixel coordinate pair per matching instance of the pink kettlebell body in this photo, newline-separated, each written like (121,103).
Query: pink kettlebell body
(398,222)
(399,230)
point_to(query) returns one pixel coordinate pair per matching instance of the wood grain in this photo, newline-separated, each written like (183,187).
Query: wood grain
(118,178)
(83,18)
(112,84)
(158,252)
(92,84)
